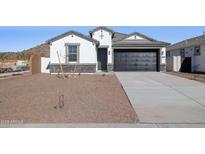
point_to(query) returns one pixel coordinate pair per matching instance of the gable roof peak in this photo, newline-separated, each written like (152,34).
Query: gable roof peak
(101,27)
(142,35)
(124,42)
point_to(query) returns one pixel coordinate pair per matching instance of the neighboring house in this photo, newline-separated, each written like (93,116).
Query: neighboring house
(13,63)
(106,50)
(22,62)
(187,56)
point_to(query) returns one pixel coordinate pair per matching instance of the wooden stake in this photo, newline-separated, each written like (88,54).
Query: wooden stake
(60,64)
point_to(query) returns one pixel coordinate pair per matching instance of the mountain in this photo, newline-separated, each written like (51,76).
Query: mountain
(42,49)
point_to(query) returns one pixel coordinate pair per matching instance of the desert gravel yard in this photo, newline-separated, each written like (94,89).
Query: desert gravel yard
(86,98)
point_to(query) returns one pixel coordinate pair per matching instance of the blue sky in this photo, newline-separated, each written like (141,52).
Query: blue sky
(20,38)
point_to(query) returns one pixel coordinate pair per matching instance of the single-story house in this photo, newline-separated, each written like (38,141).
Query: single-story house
(187,55)
(106,50)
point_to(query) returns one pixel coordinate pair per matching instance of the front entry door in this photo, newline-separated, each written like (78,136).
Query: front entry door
(102,59)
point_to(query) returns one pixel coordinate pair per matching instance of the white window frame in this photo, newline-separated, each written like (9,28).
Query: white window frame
(68,53)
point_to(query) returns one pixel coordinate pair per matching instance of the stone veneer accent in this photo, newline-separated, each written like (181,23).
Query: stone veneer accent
(163,67)
(67,68)
(109,67)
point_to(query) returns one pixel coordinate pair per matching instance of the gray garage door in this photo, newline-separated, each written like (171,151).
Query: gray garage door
(135,60)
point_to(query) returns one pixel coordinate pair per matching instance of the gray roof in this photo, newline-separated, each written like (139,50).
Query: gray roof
(118,39)
(149,42)
(187,43)
(101,27)
(74,33)
(118,36)
(139,34)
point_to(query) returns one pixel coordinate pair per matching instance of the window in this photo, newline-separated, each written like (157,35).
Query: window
(197,51)
(182,52)
(72,53)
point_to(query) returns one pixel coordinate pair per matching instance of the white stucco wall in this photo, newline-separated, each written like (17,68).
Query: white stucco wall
(44,64)
(87,50)
(199,61)
(106,40)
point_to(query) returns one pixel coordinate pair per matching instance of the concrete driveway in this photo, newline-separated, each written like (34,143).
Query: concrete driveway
(160,98)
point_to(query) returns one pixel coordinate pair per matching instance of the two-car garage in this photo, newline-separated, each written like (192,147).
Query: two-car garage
(137,52)
(136,60)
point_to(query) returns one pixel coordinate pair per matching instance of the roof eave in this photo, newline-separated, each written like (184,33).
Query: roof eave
(138,45)
(101,27)
(171,47)
(70,33)
(198,40)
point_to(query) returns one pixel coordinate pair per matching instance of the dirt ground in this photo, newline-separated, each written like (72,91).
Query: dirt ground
(44,98)
(191,76)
